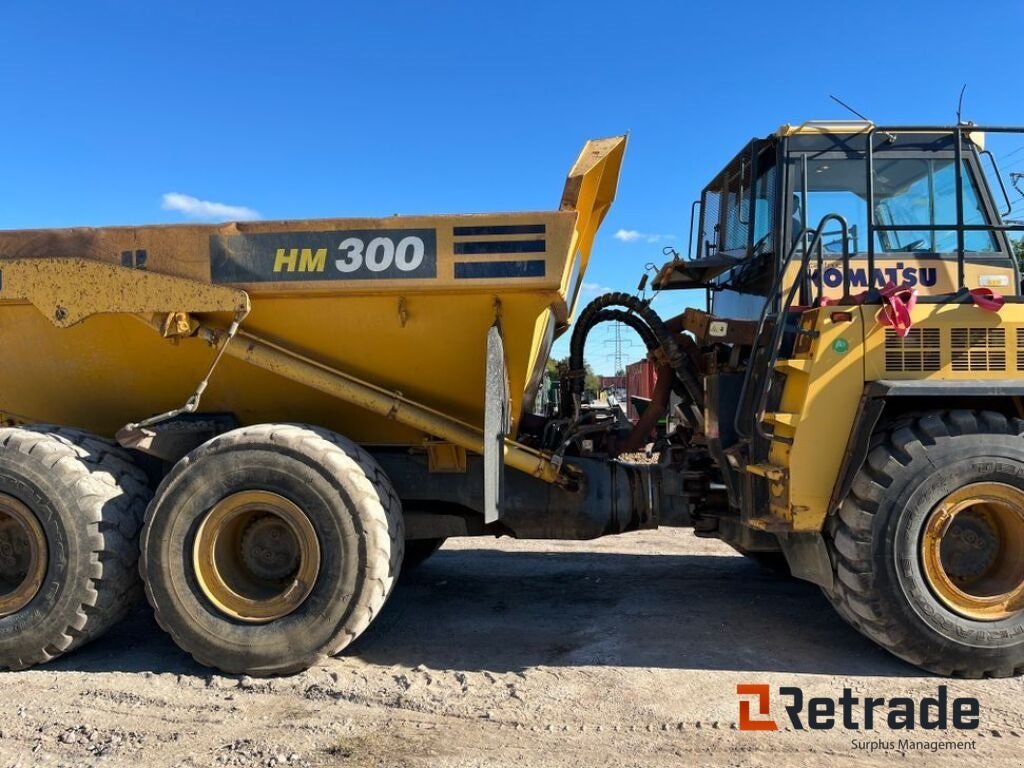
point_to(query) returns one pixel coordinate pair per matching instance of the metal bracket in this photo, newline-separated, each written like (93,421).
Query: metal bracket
(69,290)
(131,433)
(808,558)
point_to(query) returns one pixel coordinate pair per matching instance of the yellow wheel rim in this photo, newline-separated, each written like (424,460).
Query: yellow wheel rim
(23,555)
(973,551)
(256,556)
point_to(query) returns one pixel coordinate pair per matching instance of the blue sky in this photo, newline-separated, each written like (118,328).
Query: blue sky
(307,109)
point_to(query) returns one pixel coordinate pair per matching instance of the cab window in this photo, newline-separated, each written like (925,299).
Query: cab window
(729,222)
(908,191)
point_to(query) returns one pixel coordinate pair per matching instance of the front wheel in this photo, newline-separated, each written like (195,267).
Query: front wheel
(928,547)
(271,547)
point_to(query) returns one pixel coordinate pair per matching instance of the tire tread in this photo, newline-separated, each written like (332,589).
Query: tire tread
(112,494)
(851,531)
(383,526)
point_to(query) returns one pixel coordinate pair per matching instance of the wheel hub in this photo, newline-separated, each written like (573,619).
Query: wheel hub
(23,555)
(973,551)
(269,550)
(256,556)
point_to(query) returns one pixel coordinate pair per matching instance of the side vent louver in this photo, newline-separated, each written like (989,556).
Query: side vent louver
(918,351)
(1020,349)
(978,349)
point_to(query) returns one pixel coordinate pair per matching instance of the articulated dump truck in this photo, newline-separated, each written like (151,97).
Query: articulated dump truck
(268,421)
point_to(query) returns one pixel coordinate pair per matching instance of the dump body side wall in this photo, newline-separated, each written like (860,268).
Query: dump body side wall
(422,335)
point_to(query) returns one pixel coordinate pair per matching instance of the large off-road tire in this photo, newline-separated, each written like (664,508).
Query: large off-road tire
(928,547)
(71,506)
(418,551)
(271,547)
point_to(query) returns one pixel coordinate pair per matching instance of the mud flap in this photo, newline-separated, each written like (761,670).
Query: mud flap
(808,558)
(497,424)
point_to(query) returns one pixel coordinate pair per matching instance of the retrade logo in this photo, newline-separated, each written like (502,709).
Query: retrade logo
(762,696)
(854,713)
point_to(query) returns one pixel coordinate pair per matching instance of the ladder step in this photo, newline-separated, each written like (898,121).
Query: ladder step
(793,365)
(784,419)
(769,471)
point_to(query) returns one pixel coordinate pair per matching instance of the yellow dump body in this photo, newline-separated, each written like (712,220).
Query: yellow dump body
(403,302)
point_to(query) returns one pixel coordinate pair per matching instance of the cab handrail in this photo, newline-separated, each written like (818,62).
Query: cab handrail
(778,328)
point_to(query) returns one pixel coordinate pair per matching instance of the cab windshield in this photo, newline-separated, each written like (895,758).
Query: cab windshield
(908,192)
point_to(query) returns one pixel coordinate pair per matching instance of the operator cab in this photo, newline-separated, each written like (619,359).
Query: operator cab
(769,200)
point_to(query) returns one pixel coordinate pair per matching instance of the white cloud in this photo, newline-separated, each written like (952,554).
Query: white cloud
(592,290)
(632,236)
(195,208)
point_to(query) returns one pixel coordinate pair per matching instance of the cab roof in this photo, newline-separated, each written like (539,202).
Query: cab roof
(848,127)
(824,126)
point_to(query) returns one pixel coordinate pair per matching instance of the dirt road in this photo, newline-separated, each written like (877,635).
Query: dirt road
(621,652)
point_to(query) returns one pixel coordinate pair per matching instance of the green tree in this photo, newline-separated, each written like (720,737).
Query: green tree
(1018,249)
(591,381)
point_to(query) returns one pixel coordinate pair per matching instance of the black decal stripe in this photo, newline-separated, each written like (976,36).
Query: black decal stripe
(500,246)
(470,270)
(501,229)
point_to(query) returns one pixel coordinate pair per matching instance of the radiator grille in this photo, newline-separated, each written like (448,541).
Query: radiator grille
(918,351)
(1020,349)
(978,349)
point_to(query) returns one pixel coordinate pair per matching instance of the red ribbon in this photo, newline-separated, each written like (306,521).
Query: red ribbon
(895,309)
(898,301)
(987,299)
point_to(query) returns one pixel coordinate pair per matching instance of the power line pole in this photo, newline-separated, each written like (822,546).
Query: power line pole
(1017,180)
(620,346)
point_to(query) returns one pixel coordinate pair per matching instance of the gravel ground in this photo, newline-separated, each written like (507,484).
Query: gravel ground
(620,652)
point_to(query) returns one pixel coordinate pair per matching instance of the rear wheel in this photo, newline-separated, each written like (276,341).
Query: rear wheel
(929,546)
(271,547)
(71,505)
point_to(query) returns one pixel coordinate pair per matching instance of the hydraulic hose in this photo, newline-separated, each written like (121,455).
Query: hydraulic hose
(676,358)
(627,318)
(643,331)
